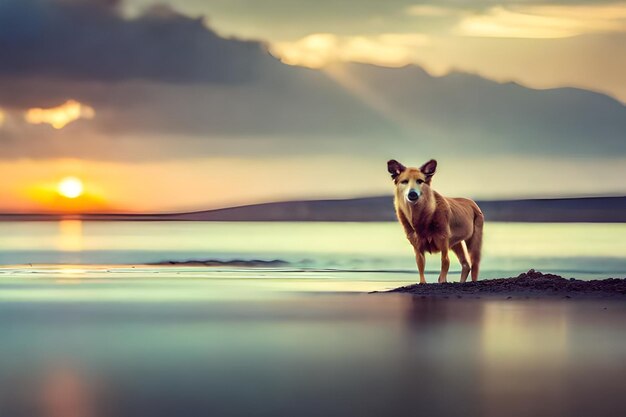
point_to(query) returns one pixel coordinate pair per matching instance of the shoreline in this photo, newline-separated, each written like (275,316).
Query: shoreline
(528,285)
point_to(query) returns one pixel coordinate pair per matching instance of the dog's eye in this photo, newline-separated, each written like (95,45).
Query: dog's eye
(420,181)
(404,181)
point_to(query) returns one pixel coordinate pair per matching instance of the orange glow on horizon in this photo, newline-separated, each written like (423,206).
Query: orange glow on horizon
(69,194)
(200,184)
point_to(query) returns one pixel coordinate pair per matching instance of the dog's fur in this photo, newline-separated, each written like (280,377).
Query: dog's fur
(434,223)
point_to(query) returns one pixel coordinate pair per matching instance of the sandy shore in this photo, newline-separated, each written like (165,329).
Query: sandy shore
(531,284)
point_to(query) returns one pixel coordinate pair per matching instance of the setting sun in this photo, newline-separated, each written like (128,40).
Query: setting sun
(70,187)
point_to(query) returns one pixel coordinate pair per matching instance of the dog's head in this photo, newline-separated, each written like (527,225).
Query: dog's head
(411,183)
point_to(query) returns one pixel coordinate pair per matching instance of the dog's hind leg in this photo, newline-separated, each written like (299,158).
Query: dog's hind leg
(461,252)
(475,243)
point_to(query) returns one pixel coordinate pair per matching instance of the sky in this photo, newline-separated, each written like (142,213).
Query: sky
(539,43)
(194,104)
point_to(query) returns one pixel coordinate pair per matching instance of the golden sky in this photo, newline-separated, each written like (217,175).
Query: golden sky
(212,183)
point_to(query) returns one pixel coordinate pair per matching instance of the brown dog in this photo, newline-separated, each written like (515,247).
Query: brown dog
(434,223)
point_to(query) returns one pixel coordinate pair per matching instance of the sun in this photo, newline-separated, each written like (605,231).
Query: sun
(70,187)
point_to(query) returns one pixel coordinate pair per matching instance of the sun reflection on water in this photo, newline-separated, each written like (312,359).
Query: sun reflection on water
(70,237)
(65,392)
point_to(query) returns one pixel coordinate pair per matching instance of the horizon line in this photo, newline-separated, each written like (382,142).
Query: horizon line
(195,211)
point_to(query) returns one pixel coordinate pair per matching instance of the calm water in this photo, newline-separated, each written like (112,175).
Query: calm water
(581,250)
(87,331)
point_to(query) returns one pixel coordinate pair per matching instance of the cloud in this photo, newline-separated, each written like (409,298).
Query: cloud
(428,10)
(352,109)
(321,49)
(288,113)
(2,117)
(283,110)
(541,21)
(595,61)
(90,40)
(61,115)
(485,43)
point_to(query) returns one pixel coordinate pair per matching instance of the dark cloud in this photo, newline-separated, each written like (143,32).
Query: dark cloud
(90,40)
(304,112)
(301,111)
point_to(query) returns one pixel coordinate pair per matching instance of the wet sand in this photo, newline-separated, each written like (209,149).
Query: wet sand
(531,284)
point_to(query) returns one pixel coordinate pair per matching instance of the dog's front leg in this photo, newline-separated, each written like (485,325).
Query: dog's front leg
(445,265)
(421,265)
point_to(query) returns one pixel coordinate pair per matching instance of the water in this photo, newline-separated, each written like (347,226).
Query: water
(89,330)
(581,250)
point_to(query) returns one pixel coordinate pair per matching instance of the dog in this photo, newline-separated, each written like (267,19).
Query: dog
(434,223)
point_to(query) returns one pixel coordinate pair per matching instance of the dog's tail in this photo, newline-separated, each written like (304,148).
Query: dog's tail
(475,243)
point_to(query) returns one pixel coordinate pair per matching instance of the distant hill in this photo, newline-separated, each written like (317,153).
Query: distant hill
(596,209)
(591,209)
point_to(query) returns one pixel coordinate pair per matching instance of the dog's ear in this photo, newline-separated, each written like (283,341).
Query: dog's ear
(429,169)
(395,168)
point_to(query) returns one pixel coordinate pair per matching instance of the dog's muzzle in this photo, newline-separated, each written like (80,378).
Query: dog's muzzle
(413,196)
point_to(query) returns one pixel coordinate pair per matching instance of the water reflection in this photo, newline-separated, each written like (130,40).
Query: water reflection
(306,355)
(523,358)
(65,392)
(68,275)
(70,237)
(52,389)
(513,333)
(524,354)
